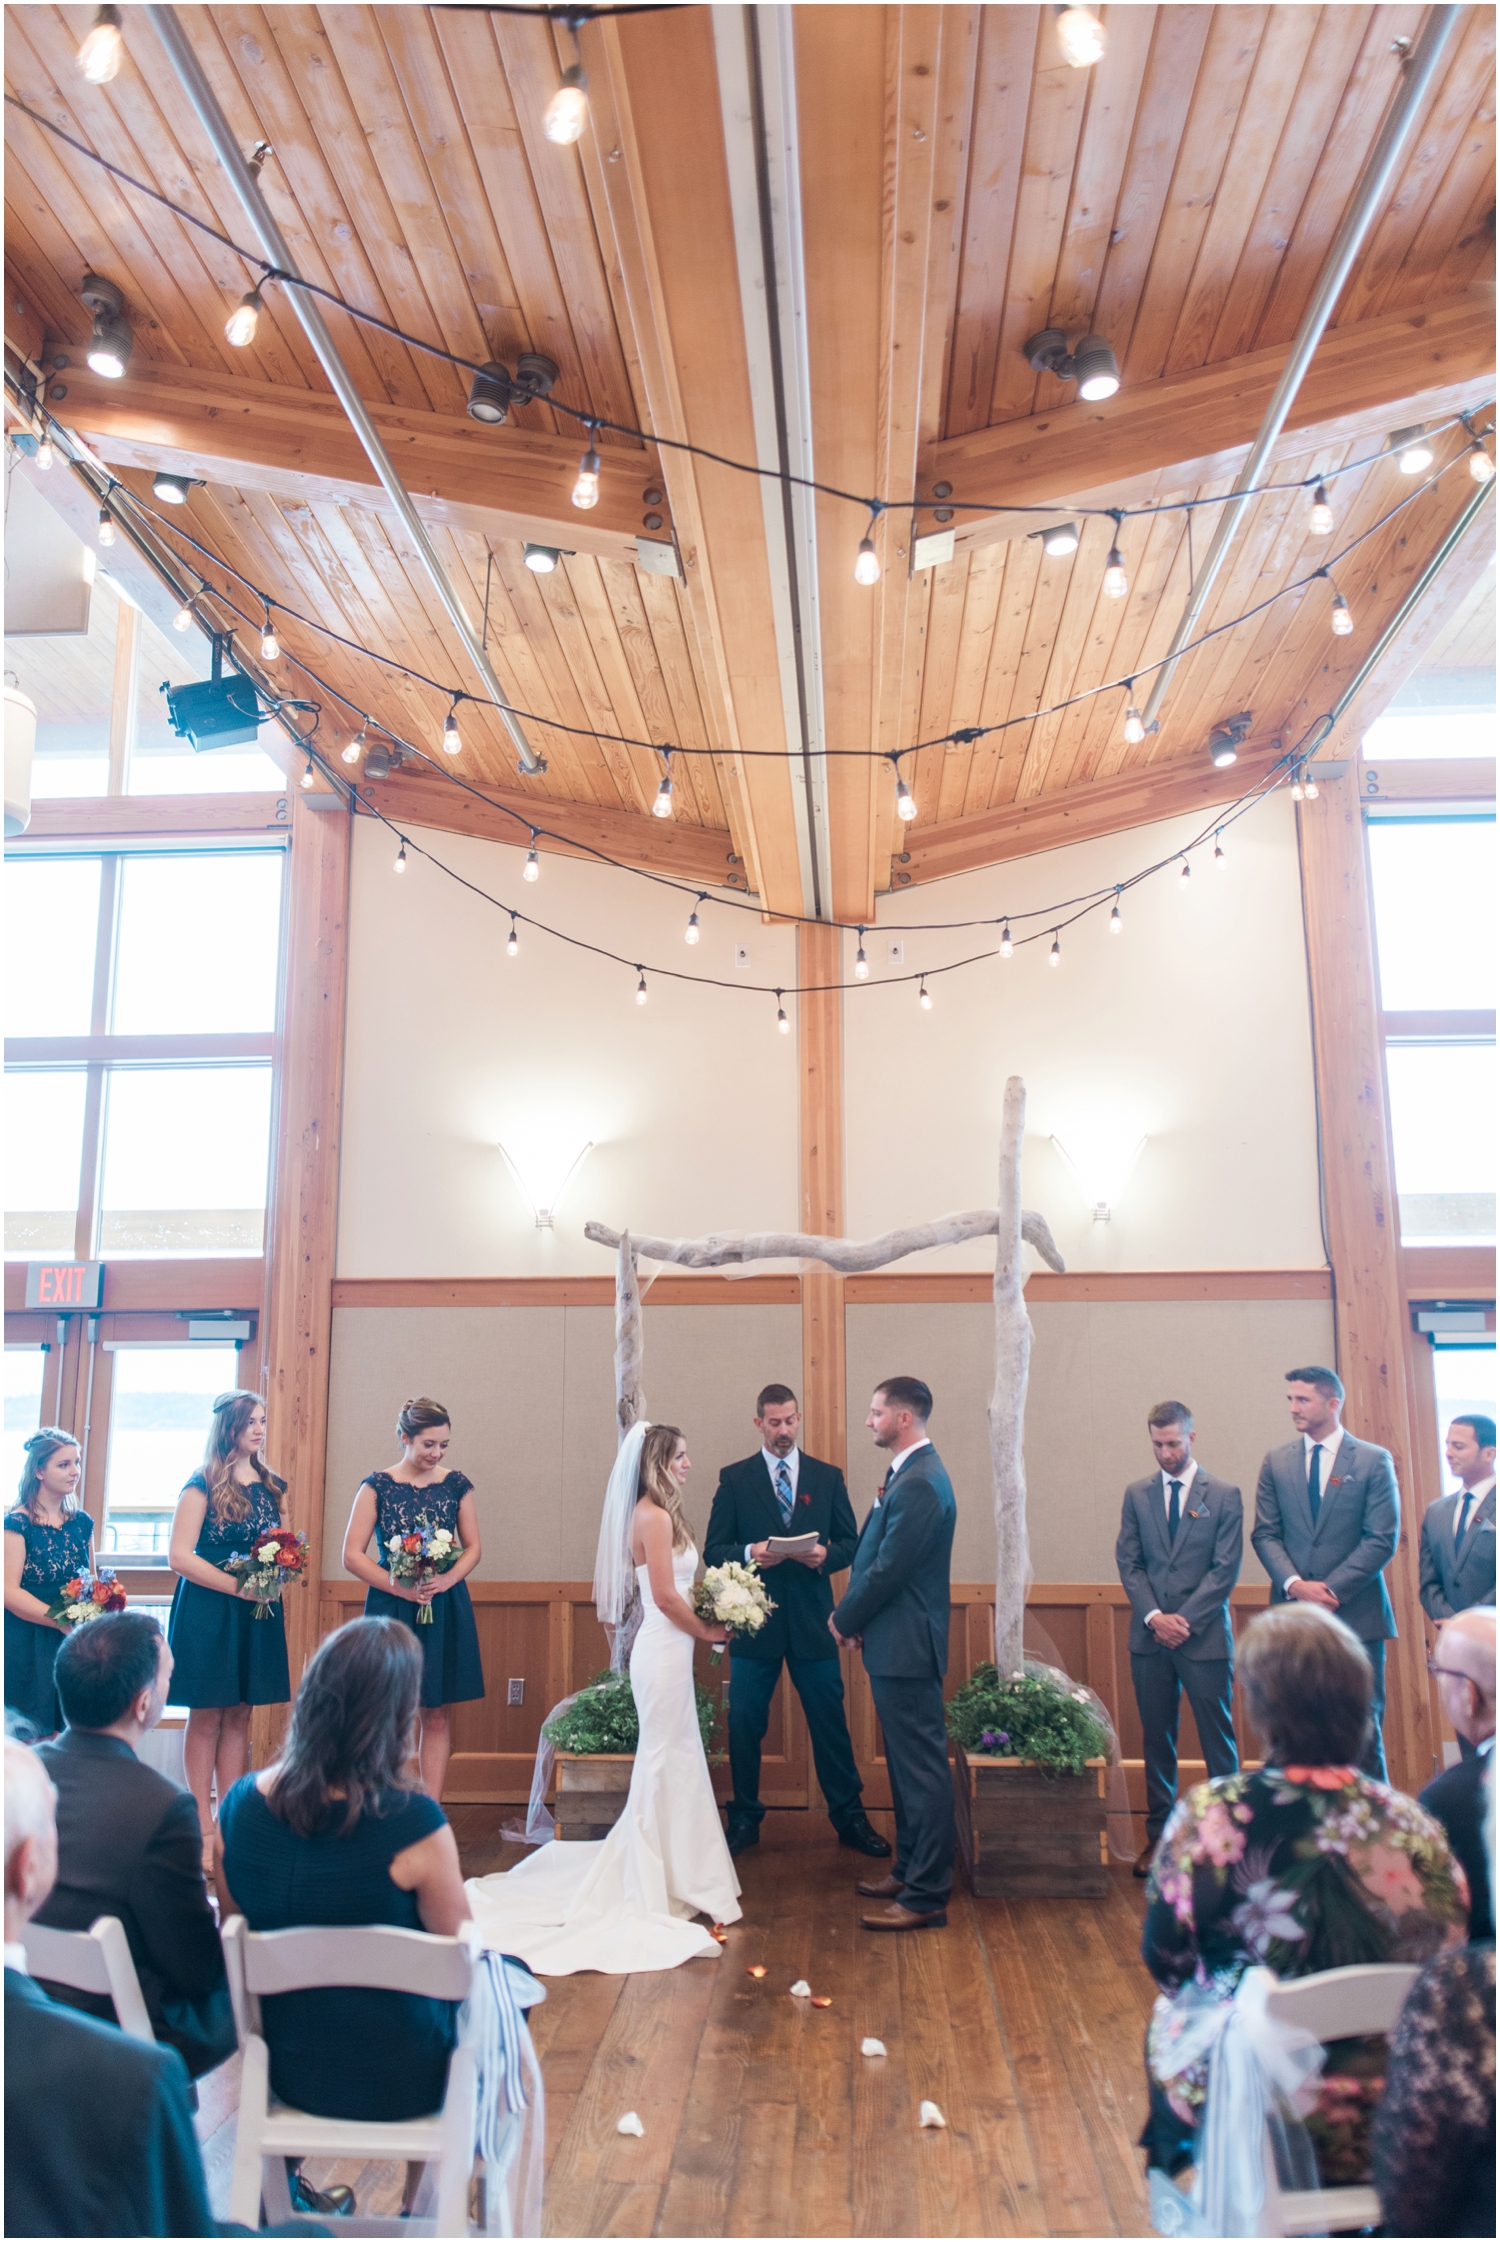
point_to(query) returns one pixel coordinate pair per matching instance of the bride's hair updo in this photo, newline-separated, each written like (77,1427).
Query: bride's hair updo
(657,1484)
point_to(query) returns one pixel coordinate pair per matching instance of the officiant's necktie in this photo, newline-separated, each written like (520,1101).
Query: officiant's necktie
(1174,1508)
(1314,1491)
(784,1494)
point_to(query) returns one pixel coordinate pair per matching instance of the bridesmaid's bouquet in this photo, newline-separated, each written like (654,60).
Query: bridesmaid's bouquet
(274,1561)
(735,1596)
(419,1556)
(86,1596)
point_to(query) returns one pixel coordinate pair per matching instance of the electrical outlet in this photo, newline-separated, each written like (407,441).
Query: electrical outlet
(742,957)
(515,1692)
(895,953)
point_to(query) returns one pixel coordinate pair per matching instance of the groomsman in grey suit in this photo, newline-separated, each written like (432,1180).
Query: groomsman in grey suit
(1327,1521)
(1458,1531)
(1181,1537)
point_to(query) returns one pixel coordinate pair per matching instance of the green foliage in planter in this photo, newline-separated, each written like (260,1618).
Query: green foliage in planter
(602,1718)
(1027,1716)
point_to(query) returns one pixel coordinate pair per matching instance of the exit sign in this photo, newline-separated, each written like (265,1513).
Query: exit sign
(64,1284)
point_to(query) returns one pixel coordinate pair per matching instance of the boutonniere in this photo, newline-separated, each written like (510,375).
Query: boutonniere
(805,1500)
(1335,1481)
(1200,1512)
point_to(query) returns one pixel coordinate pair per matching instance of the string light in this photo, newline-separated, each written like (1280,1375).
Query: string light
(1343,621)
(452,737)
(641,991)
(1320,513)
(662,805)
(783,1024)
(693,930)
(270,645)
(1220,859)
(1006,945)
(861,962)
(356,747)
(1116,583)
(1185,874)
(1481,466)
(1054,955)
(240,326)
(400,864)
(308,776)
(183,619)
(867,562)
(1310,786)
(532,868)
(103,47)
(1081,37)
(1297,789)
(586,489)
(567,112)
(922,997)
(1116,923)
(45,455)
(106,526)
(512,943)
(1135,730)
(906,808)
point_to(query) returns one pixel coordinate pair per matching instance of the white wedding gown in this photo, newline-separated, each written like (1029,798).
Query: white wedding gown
(626,1903)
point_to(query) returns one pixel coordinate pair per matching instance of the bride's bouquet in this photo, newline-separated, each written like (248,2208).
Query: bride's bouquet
(419,1556)
(735,1596)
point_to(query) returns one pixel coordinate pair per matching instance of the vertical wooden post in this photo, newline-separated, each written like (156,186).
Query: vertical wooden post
(820,1050)
(1363,1230)
(122,696)
(302,1218)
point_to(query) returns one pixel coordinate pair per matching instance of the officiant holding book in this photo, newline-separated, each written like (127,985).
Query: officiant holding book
(789,1514)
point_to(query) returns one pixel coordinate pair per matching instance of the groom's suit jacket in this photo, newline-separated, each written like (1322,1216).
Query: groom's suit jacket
(898,1593)
(746,1510)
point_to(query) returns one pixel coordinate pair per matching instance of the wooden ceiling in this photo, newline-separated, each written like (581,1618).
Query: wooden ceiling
(960,186)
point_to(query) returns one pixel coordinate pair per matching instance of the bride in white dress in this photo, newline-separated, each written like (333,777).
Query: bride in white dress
(627,1903)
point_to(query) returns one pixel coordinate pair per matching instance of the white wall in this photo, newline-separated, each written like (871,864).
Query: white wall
(690,1101)
(1190,1028)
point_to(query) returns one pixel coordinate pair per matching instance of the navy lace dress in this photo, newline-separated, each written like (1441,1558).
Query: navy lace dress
(223,1654)
(53,1554)
(451,1669)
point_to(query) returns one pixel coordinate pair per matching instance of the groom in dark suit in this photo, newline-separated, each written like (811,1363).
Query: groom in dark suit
(782,1494)
(896,1605)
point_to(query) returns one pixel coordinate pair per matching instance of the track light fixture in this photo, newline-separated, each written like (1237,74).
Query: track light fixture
(1080,34)
(172,490)
(1225,739)
(1091,364)
(112,342)
(240,326)
(586,489)
(532,869)
(541,559)
(1413,452)
(662,805)
(490,394)
(106,526)
(103,47)
(1320,513)
(861,962)
(1060,540)
(452,737)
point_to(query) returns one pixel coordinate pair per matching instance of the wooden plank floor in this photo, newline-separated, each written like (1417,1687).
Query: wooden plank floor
(1023,2021)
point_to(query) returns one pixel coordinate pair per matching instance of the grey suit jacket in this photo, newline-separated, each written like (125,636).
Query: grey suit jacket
(1359,1525)
(898,1594)
(1448,1587)
(1191,1575)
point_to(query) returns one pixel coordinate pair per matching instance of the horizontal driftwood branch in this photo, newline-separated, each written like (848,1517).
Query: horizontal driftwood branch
(847,1255)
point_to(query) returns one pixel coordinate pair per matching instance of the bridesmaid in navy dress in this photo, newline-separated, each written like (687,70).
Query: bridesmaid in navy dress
(390,1502)
(47,1540)
(226,1660)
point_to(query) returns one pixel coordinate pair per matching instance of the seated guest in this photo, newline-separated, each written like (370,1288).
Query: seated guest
(1433,2143)
(1464,1667)
(336,1832)
(98,2128)
(128,1840)
(1303,1864)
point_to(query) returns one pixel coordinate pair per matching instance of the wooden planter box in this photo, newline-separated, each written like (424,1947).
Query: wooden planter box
(1026,1835)
(590,1793)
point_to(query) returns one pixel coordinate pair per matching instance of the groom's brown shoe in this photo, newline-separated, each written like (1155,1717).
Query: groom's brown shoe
(903,1919)
(887,1888)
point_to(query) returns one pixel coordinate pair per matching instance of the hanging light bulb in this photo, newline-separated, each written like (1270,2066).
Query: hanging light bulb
(240,326)
(512,944)
(693,929)
(1220,859)
(1135,730)
(586,489)
(400,864)
(307,777)
(1080,34)
(1481,466)
(103,47)
(641,991)
(270,645)
(662,803)
(923,998)
(1310,787)
(906,808)
(1116,582)
(1320,513)
(567,112)
(867,562)
(1185,874)
(106,526)
(1006,945)
(356,747)
(861,962)
(1116,923)
(183,619)
(1343,621)
(45,455)
(452,737)
(531,869)
(1297,789)
(1054,955)
(783,1024)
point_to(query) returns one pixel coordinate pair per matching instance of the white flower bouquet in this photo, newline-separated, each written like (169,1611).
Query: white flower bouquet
(735,1596)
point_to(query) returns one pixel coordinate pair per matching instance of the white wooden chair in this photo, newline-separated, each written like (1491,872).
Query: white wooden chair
(395,1961)
(1334,2005)
(97,1960)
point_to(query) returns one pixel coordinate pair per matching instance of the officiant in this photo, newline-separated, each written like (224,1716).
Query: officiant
(782,1495)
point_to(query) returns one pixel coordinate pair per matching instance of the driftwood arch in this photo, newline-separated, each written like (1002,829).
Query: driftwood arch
(1010,1224)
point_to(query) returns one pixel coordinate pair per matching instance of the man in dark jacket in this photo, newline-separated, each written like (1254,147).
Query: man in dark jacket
(780,1494)
(128,1839)
(1464,1667)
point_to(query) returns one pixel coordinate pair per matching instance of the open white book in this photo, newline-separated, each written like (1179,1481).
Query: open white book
(797,1546)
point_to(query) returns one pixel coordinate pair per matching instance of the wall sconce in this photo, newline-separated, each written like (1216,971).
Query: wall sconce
(546,1187)
(1101,1171)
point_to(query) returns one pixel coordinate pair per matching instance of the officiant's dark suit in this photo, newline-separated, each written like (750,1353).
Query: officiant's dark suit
(746,1511)
(898,1600)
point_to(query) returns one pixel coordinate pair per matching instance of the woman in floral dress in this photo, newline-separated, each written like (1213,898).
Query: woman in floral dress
(1303,1864)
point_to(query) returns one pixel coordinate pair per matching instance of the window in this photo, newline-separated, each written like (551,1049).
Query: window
(1434,882)
(162,762)
(51,936)
(44,1121)
(1442,1099)
(1464,1378)
(71,680)
(185,1161)
(198,944)
(158,1426)
(25,1368)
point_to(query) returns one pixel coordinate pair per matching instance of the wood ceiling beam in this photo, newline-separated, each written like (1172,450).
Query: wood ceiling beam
(698,854)
(503,482)
(1081,813)
(1192,428)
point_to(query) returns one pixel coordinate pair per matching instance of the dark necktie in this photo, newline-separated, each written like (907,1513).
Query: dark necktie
(1314,1492)
(1463,1522)
(784,1494)
(1174,1508)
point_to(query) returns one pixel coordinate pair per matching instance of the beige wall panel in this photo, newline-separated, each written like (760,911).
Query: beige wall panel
(532,1396)
(1095,1370)
(1189,1029)
(689,1100)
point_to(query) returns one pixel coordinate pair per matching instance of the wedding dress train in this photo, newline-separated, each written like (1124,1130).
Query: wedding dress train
(626,1903)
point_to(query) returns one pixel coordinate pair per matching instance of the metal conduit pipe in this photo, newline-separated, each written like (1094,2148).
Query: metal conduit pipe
(165,23)
(1420,70)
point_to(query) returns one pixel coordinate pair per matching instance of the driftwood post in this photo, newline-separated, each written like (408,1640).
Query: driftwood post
(1008,1397)
(630,1341)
